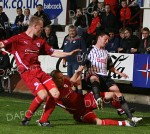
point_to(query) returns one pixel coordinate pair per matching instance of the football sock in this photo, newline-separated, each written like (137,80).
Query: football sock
(33,107)
(49,107)
(125,107)
(108,122)
(96,89)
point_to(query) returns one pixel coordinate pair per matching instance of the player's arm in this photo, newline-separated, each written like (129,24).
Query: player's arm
(9,41)
(110,67)
(60,54)
(77,75)
(117,72)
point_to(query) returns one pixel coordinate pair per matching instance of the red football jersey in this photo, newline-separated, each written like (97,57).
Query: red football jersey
(27,49)
(73,101)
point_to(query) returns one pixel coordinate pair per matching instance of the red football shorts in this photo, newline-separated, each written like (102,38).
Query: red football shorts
(37,80)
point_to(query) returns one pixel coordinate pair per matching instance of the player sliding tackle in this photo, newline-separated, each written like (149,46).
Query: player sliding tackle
(82,106)
(26,48)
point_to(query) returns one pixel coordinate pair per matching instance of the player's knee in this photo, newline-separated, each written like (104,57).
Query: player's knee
(54,92)
(43,94)
(94,78)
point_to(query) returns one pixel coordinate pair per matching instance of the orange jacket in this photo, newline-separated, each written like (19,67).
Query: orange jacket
(92,28)
(125,14)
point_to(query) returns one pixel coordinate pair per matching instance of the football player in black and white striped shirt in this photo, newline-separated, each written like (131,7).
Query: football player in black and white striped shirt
(100,63)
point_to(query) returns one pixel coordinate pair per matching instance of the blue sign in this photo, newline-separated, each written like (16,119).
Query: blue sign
(53,8)
(141,70)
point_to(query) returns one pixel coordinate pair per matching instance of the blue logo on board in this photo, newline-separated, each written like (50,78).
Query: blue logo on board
(53,8)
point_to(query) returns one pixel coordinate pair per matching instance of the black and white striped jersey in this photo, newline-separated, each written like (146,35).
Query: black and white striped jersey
(99,59)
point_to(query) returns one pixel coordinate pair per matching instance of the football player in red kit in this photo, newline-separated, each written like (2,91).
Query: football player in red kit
(26,48)
(82,106)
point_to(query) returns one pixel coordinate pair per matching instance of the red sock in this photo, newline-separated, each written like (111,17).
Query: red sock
(50,105)
(33,106)
(108,122)
(116,103)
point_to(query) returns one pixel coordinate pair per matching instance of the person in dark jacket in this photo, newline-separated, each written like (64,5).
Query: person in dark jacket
(122,41)
(132,41)
(41,13)
(113,42)
(4,65)
(144,47)
(50,37)
(108,20)
(17,28)
(81,22)
(3,20)
(3,17)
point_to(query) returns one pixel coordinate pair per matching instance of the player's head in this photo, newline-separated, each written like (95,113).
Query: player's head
(36,24)
(39,7)
(58,78)
(102,39)
(72,31)
(145,32)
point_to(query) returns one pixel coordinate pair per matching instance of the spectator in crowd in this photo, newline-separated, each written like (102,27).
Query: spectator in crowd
(108,19)
(144,47)
(100,7)
(122,41)
(50,36)
(3,20)
(41,13)
(113,42)
(27,17)
(72,42)
(90,35)
(4,65)
(132,41)
(113,5)
(81,22)
(3,17)
(18,22)
(125,13)
(91,7)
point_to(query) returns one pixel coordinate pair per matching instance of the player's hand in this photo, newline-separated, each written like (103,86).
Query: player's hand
(80,69)
(1,45)
(124,75)
(74,51)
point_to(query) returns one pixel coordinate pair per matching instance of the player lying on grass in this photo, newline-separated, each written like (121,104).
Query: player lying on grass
(82,106)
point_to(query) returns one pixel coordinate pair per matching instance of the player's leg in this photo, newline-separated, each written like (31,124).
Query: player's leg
(95,83)
(53,95)
(122,100)
(38,90)
(40,97)
(91,118)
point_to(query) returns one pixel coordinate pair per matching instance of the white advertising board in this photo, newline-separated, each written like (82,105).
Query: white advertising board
(56,9)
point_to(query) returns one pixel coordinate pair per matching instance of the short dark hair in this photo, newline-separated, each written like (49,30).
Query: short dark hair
(54,73)
(19,8)
(128,29)
(145,29)
(39,5)
(1,7)
(103,33)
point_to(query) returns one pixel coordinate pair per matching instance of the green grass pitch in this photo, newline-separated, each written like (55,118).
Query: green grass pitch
(12,110)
